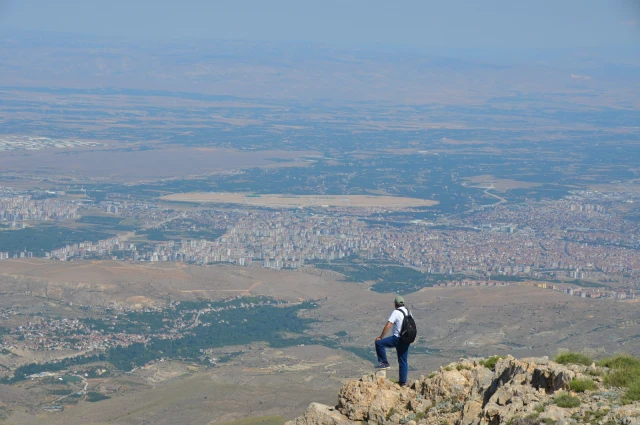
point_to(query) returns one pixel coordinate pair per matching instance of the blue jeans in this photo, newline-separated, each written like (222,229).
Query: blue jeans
(402,349)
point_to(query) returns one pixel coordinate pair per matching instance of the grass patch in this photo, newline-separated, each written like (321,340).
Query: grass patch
(594,416)
(100,220)
(93,397)
(633,392)
(582,385)
(624,373)
(420,415)
(364,353)
(46,237)
(573,358)
(620,361)
(540,408)
(527,420)
(567,401)
(490,363)
(390,413)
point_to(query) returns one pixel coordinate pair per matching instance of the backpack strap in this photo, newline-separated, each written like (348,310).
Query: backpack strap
(400,310)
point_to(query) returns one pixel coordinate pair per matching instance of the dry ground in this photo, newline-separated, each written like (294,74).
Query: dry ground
(290,201)
(115,164)
(267,383)
(486,181)
(152,284)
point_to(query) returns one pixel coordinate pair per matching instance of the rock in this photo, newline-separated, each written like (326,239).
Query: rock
(395,418)
(472,412)
(369,400)
(467,393)
(555,413)
(630,420)
(320,414)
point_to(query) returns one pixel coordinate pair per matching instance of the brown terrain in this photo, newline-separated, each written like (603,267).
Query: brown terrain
(110,163)
(453,322)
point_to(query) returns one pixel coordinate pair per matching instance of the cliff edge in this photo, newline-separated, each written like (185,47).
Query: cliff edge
(492,391)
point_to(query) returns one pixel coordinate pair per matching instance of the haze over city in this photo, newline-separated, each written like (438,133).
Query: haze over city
(206,209)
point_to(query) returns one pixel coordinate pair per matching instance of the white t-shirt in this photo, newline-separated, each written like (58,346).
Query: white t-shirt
(397,318)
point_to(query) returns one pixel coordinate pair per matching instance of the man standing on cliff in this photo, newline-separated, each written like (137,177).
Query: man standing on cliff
(402,348)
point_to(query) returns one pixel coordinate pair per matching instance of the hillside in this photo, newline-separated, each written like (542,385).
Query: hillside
(494,391)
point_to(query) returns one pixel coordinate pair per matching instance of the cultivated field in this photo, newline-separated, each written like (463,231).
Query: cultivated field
(292,201)
(121,162)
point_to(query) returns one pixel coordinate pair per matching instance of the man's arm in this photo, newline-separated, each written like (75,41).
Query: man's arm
(384,331)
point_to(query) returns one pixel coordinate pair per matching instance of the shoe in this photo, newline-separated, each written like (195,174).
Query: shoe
(403,384)
(383,366)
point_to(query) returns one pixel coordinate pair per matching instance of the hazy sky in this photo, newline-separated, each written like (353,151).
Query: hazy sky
(419,23)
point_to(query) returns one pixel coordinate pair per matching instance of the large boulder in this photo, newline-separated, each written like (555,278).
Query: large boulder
(320,414)
(371,399)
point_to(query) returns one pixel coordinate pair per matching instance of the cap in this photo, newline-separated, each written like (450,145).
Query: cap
(399,300)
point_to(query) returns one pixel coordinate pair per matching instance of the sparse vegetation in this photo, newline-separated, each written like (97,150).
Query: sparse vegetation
(594,416)
(624,373)
(390,413)
(93,397)
(573,358)
(45,238)
(582,385)
(490,363)
(633,392)
(420,415)
(527,420)
(540,408)
(567,401)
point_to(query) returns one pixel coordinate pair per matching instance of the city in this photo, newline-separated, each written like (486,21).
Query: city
(580,238)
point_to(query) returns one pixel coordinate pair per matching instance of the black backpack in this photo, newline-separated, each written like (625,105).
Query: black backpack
(408,332)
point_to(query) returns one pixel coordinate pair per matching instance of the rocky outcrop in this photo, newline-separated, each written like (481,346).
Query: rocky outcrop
(528,391)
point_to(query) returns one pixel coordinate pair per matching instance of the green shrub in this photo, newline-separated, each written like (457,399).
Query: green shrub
(567,401)
(619,378)
(633,393)
(490,363)
(431,375)
(390,413)
(593,416)
(573,358)
(582,385)
(95,397)
(527,420)
(624,373)
(620,361)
